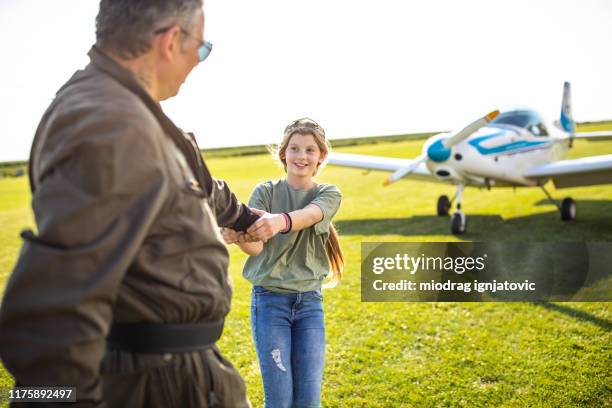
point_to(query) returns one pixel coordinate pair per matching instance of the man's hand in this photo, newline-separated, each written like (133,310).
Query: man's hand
(267,226)
(231,236)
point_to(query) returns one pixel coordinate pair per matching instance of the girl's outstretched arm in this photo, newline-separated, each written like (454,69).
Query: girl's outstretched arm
(269,225)
(251,248)
(244,241)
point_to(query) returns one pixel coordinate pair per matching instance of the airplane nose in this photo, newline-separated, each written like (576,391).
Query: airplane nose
(438,152)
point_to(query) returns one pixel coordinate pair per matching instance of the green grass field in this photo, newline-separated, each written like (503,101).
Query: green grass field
(423,354)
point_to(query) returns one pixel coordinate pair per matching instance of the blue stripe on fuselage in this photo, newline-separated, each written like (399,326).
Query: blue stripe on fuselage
(508,148)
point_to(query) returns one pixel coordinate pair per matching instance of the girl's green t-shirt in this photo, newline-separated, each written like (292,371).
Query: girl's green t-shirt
(293,262)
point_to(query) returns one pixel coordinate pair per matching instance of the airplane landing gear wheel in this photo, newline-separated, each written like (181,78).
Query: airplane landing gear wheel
(568,209)
(444,205)
(458,223)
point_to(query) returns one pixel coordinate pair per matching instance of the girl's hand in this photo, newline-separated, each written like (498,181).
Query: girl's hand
(267,226)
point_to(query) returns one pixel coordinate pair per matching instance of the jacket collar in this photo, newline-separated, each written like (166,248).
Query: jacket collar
(106,64)
(110,67)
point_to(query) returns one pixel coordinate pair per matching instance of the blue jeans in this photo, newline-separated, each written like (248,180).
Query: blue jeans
(289,335)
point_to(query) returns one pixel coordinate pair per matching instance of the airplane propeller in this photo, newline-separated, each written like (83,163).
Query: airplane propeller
(405,170)
(440,150)
(470,129)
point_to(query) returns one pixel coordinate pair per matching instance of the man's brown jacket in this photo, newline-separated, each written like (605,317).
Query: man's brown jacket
(128,222)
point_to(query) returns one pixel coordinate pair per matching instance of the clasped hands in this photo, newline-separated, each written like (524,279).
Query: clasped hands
(267,226)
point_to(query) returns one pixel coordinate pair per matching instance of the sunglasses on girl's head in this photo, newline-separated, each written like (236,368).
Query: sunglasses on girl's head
(304,125)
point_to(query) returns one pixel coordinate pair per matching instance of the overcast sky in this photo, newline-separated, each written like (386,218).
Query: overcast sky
(358,67)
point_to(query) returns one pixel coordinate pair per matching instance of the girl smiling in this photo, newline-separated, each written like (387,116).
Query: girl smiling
(297,247)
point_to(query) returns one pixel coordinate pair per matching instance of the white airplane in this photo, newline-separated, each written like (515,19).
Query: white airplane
(509,149)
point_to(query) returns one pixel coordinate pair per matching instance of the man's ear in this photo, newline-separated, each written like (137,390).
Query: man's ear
(168,44)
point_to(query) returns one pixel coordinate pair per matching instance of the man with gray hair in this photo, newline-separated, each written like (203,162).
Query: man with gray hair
(124,290)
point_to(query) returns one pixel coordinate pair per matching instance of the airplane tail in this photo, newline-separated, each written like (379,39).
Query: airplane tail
(567,120)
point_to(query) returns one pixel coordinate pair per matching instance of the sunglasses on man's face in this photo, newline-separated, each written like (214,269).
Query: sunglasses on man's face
(204,48)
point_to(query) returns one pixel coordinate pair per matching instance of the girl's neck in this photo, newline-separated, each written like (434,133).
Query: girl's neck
(300,183)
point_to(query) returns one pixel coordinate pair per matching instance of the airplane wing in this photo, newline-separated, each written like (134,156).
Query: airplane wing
(389,164)
(595,136)
(585,171)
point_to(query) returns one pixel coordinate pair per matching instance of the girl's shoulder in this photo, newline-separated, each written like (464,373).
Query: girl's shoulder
(263,195)
(268,185)
(328,189)
(267,188)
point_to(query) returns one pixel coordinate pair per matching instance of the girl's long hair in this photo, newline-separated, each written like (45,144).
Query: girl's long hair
(306,126)
(335,256)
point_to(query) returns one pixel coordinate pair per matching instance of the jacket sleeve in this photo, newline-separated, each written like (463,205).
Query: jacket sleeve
(229,211)
(93,205)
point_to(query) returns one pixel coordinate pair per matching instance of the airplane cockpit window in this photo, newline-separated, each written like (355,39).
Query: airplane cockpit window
(513,118)
(524,119)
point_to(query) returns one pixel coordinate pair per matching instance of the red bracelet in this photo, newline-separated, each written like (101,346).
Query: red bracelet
(288,223)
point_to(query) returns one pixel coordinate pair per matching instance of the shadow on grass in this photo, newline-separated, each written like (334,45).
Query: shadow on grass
(584,205)
(577,314)
(594,221)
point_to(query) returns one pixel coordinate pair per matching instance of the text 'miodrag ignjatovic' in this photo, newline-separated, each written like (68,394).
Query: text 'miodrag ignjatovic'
(481,271)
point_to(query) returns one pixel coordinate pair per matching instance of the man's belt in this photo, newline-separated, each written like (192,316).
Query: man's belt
(163,338)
